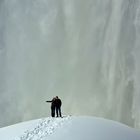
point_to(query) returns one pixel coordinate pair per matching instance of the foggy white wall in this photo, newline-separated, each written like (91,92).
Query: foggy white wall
(86,52)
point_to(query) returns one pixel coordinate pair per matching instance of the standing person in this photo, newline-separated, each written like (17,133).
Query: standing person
(53,106)
(58,106)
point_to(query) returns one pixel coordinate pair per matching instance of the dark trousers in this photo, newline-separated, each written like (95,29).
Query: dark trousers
(52,111)
(58,111)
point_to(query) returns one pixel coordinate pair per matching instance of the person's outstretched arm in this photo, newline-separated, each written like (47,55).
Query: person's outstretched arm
(48,101)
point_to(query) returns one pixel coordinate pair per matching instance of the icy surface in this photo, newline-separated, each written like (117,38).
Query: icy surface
(89,128)
(44,128)
(69,128)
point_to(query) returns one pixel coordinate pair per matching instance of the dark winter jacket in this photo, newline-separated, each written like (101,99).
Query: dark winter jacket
(53,104)
(58,102)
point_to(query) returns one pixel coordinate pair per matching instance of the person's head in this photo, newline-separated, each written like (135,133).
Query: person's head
(56,97)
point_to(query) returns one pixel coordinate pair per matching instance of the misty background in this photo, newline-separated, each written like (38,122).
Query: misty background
(84,51)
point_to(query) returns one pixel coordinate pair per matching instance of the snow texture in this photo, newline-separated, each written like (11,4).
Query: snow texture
(44,128)
(69,128)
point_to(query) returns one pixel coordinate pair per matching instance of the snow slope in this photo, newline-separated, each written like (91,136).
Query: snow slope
(69,128)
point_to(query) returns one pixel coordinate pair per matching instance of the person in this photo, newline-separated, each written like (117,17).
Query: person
(58,104)
(53,106)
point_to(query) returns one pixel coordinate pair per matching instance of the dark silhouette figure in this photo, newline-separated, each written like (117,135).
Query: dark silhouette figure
(53,106)
(58,104)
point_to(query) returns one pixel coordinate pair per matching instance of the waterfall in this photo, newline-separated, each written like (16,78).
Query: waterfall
(85,51)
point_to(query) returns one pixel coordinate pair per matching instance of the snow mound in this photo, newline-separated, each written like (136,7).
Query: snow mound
(44,128)
(69,128)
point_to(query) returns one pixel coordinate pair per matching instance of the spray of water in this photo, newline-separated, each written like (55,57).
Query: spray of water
(86,52)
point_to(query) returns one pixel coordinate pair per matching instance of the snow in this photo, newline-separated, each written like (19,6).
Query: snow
(69,128)
(10,132)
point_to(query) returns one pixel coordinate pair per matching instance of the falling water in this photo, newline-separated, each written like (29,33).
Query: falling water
(85,51)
